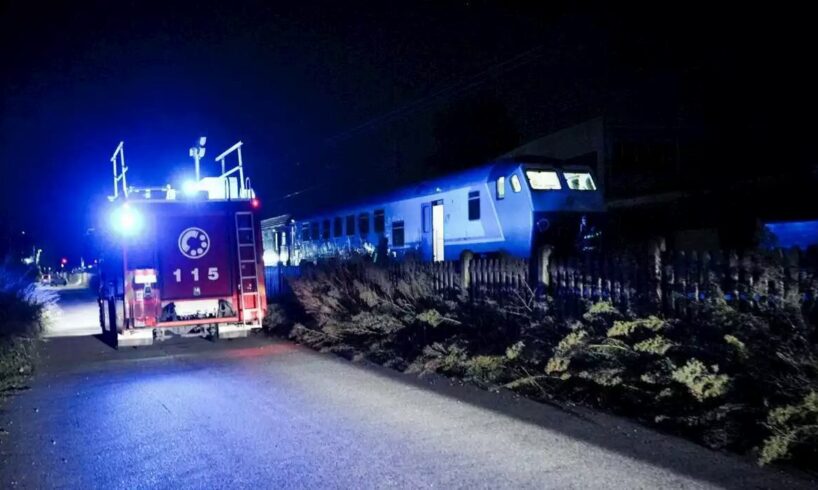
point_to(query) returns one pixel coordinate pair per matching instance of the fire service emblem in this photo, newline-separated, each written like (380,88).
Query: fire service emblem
(194,243)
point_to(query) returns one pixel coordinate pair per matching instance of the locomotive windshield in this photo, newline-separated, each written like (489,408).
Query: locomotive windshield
(546,180)
(543,180)
(579,181)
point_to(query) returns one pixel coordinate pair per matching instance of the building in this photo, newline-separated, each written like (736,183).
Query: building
(679,182)
(630,159)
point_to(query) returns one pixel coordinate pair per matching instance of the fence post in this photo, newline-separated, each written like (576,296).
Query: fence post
(543,259)
(655,249)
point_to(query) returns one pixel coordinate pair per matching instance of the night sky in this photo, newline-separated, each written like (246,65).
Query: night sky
(332,99)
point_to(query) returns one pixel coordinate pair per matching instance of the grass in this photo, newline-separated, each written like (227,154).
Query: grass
(23,304)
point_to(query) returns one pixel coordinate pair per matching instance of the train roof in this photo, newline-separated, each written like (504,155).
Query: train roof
(275,221)
(475,175)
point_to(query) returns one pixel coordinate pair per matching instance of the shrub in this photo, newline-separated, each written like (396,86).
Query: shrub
(793,427)
(701,381)
(739,346)
(640,325)
(23,308)
(486,371)
(16,361)
(568,346)
(451,360)
(23,303)
(277,319)
(711,375)
(514,351)
(655,345)
(600,315)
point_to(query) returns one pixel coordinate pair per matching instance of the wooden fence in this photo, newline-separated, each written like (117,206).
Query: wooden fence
(477,277)
(645,278)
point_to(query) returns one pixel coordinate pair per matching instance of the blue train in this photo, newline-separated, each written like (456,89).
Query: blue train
(504,207)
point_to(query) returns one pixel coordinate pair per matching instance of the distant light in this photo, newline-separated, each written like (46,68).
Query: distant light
(126,220)
(255,203)
(270,258)
(202,140)
(190,187)
(63,261)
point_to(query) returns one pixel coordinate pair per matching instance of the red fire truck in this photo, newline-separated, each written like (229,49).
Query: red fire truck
(183,263)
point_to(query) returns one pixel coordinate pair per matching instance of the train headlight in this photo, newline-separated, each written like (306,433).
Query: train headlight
(126,220)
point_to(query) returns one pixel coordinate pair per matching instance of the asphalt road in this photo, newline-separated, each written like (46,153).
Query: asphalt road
(76,313)
(261,413)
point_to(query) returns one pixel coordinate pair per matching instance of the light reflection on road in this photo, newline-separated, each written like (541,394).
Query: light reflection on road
(76,313)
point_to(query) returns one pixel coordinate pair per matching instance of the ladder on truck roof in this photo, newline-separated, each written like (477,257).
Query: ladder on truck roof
(222,187)
(248,276)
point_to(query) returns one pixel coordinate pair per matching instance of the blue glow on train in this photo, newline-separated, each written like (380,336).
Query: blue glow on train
(504,207)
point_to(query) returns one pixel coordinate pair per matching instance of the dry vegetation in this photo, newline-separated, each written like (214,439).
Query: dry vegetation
(22,313)
(744,381)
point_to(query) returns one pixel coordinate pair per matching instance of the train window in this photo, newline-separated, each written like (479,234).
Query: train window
(380,221)
(501,187)
(363,224)
(515,183)
(474,205)
(325,230)
(579,181)
(314,230)
(426,217)
(351,224)
(397,234)
(305,231)
(541,180)
(337,227)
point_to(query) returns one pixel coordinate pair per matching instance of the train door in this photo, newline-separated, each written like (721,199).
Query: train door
(432,231)
(437,231)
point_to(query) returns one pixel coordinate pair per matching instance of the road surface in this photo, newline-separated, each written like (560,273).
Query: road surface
(261,413)
(76,313)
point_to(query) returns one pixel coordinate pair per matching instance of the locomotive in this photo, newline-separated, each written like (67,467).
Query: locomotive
(512,206)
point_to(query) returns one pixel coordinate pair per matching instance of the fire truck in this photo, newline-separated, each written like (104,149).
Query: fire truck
(182,262)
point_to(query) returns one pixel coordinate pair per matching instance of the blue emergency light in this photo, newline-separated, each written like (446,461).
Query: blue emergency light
(126,220)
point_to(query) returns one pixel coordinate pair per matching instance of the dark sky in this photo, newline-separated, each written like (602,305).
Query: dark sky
(346,93)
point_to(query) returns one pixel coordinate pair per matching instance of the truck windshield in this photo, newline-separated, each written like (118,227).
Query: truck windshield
(543,179)
(579,181)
